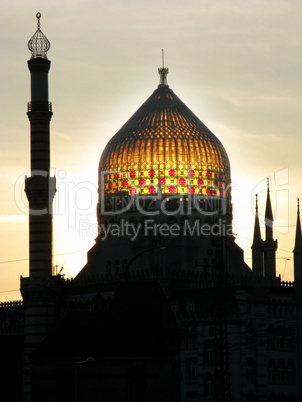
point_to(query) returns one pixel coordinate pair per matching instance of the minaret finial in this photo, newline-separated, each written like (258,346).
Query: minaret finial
(38,43)
(38,15)
(163,71)
(298,205)
(267,183)
(256,203)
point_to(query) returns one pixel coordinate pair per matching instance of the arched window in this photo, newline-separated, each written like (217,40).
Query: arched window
(208,352)
(274,308)
(290,372)
(281,372)
(250,397)
(108,267)
(191,369)
(280,338)
(175,306)
(270,337)
(190,306)
(116,268)
(272,398)
(250,370)
(282,398)
(272,371)
(249,336)
(208,385)
(289,337)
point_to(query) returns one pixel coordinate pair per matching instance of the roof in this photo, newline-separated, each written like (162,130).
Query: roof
(165,140)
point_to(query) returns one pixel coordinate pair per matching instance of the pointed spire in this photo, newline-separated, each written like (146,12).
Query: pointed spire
(298,241)
(257,231)
(268,209)
(268,216)
(163,72)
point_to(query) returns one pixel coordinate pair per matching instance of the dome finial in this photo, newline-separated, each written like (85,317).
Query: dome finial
(163,71)
(38,43)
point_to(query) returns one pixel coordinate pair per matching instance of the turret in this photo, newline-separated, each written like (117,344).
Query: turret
(298,248)
(40,188)
(257,252)
(41,290)
(269,245)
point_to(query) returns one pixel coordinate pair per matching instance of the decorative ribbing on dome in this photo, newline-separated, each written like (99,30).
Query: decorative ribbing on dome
(165,141)
(38,43)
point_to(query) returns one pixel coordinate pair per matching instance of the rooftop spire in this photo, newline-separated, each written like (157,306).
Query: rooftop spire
(298,241)
(38,43)
(268,209)
(257,232)
(163,71)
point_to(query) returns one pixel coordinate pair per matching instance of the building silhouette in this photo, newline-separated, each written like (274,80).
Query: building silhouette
(165,308)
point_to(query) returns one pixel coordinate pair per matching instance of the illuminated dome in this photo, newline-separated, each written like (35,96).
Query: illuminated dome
(164,145)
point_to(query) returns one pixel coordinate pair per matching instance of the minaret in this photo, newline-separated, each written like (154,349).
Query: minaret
(257,252)
(298,248)
(40,290)
(40,188)
(269,245)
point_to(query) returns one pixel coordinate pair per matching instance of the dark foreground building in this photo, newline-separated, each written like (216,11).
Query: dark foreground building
(166,308)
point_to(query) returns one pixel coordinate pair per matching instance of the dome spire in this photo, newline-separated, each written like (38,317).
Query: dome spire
(163,71)
(38,43)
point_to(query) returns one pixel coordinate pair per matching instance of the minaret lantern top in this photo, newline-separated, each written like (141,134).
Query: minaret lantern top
(38,43)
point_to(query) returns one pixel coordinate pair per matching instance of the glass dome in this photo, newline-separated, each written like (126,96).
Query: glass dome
(164,146)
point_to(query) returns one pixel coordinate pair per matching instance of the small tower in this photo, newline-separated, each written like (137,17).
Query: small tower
(257,252)
(269,245)
(298,248)
(40,290)
(40,188)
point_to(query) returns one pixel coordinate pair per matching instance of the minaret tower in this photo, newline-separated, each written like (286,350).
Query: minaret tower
(39,187)
(298,248)
(40,290)
(269,245)
(257,252)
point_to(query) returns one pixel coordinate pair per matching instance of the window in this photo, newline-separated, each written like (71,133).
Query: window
(290,372)
(289,337)
(191,370)
(249,336)
(270,337)
(250,370)
(281,372)
(280,338)
(272,371)
(190,306)
(175,306)
(208,352)
(208,385)
(191,397)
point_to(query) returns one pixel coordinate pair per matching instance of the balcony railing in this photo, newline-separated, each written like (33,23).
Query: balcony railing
(39,106)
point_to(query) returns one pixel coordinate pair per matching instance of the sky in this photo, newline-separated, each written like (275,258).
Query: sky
(236,64)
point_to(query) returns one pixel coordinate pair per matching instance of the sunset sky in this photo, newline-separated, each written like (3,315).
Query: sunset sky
(236,64)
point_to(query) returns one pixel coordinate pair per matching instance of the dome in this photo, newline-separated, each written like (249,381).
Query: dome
(164,145)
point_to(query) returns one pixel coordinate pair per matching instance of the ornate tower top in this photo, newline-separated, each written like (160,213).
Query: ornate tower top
(38,43)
